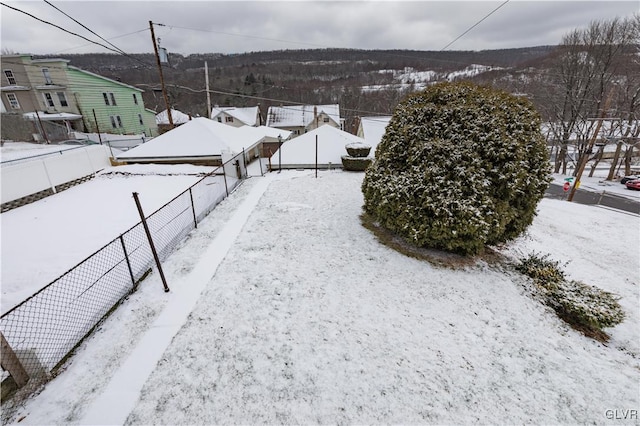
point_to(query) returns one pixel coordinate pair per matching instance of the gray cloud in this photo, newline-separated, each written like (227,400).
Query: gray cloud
(241,26)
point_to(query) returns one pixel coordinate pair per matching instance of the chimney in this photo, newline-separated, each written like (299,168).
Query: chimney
(315,115)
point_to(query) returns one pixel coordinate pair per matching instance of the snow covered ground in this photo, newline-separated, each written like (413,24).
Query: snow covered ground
(302,316)
(43,240)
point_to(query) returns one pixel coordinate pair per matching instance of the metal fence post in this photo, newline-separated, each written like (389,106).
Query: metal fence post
(153,247)
(12,364)
(126,257)
(193,209)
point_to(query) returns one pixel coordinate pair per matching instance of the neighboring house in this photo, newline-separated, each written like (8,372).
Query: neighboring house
(236,117)
(200,141)
(17,95)
(39,91)
(50,91)
(300,119)
(301,151)
(371,129)
(116,107)
(178,118)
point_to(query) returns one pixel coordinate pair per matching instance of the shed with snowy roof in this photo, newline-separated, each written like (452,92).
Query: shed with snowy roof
(200,141)
(300,152)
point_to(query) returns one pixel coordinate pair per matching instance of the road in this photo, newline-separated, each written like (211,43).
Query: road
(589,197)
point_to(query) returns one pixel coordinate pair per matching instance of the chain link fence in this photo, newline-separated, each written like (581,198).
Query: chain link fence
(46,327)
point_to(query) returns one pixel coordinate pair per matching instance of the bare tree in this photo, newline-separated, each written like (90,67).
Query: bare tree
(588,68)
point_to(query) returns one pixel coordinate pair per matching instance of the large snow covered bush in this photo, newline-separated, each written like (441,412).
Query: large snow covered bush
(459,167)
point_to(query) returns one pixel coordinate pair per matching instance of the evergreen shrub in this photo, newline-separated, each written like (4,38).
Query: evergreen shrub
(581,305)
(459,167)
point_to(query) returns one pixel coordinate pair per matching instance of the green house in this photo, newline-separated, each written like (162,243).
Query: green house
(110,106)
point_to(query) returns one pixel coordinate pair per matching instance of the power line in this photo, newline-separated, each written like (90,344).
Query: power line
(475,25)
(112,38)
(59,27)
(86,28)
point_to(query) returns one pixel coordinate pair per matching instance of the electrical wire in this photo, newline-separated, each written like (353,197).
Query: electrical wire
(86,28)
(475,25)
(59,27)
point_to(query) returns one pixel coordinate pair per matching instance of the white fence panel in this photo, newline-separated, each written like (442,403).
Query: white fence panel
(23,179)
(20,180)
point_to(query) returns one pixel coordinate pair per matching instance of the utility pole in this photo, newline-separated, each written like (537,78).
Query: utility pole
(206,80)
(164,91)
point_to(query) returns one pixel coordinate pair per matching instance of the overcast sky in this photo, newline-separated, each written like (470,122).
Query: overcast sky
(243,26)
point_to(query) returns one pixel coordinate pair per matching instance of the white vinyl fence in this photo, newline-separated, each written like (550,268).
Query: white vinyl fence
(24,178)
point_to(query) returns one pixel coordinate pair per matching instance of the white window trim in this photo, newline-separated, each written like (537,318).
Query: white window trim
(47,76)
(13,77)
(62,98)
(46,100)
(14,104)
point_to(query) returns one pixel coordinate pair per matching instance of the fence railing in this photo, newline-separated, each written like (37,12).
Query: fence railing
(46,327)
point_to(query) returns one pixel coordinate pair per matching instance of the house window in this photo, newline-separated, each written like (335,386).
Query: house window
(48,100)
(63,99)
(10,77)
(47,76)
(140,120)
(228,119)
(119,120)
(135,99)
(219,119)
(113,99)
(116,121)
(326,120)
(13,100)
(106,98)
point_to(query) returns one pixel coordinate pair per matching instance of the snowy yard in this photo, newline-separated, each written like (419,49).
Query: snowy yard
(43,240)
(307,318)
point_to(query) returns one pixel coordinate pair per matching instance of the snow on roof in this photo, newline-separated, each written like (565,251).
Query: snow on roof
(178,117)
(301,151)
(373,129)
(199,137)
(248,115)
(264,132)
(46,116)
(299,115)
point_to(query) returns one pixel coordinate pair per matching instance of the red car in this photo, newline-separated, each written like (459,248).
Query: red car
(633,184)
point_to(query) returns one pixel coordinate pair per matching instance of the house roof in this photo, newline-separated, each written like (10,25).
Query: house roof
(178,117)
(197,138)
(248,115)
(200,137)
(299,115)
(373,129)
(301,151)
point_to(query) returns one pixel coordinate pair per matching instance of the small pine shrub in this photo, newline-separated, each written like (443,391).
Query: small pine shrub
(544,271)
(359,150)
(583,306)
(356,164)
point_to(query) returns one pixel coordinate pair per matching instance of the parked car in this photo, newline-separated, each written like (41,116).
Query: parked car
(626,179)
(633,184)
